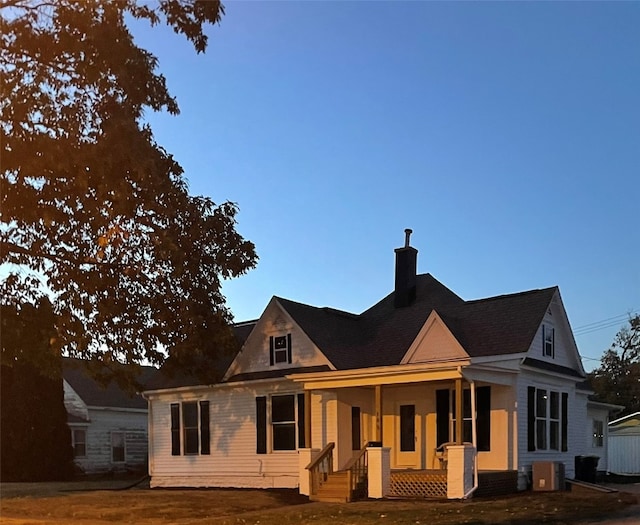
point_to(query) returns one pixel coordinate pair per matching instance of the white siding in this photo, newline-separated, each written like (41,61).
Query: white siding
(565,350)
(624,454)
(577,421)
(597,414)
(275,321)
(98,445)
(233,461)
(73,403)
(501,455)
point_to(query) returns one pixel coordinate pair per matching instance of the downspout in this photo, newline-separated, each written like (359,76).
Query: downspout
(474,440)
(150,435)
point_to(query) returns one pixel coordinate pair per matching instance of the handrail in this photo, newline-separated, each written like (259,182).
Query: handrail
(357,472)
(355,458)
(320,468)
(328,448)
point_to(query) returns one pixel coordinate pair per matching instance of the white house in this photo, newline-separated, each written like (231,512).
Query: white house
(108,425)
(451,396)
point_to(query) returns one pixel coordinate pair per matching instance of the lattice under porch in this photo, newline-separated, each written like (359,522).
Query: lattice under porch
(418,484)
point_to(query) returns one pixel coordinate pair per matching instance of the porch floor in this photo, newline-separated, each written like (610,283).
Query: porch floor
(432,483)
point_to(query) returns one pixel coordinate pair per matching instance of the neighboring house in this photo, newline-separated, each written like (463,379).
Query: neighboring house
(597,431)
(624,445)
(108,426)
(451,395)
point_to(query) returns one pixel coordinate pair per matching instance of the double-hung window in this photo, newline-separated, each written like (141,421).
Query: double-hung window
(548,341)
(79,437)
(446,423)
(190,428)
(598,433)
(547,419)
(118,449)
(280,349)
(280,422)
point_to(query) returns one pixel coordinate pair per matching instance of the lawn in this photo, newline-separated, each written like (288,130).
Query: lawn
(50,504)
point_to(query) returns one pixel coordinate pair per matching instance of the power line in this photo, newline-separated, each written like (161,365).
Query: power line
(603,320)
(602,324)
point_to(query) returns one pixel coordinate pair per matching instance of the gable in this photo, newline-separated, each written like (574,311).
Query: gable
(73,403)
(554,328)
(275,337)
(434,342)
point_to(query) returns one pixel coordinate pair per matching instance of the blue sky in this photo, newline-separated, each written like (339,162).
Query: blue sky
(506,135)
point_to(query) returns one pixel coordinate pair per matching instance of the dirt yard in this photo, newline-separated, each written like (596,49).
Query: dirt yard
(36,504)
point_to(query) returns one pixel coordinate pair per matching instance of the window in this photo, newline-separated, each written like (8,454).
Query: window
(190,433)
(598,433)
(283,422)
(548,341)
(446,423)
(356,432)
(79,437)
(117,447)
(286,424)
(547,419)
(467,421)
(407,428)
(280,349)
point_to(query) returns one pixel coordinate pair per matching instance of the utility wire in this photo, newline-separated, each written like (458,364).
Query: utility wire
(601,325)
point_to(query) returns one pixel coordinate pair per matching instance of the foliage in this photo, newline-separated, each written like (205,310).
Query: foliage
(617,379)
(32,404)
(95,213)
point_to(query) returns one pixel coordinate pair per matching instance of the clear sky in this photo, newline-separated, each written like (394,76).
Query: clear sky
(506,135)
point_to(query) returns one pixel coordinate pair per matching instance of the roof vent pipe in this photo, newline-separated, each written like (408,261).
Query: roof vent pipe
(407,234)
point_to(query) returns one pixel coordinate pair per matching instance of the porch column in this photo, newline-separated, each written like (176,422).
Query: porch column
(307,418)
(459,424)
(378,431)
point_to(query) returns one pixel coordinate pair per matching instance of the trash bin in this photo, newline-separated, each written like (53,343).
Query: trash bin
(586,468)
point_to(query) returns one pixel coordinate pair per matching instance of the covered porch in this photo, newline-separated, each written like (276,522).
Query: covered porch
(396,430)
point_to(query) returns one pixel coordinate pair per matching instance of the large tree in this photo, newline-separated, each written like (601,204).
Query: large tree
(35,442)
(617,379)
(95,214)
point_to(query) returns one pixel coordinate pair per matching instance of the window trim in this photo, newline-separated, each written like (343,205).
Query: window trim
(284,423)
(547,426)
(548,341)
(179,429)
(597,440)
(445,416)
(75,442)
(265,441)
(274,353)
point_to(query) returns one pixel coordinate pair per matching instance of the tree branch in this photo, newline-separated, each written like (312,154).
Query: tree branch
(7,246)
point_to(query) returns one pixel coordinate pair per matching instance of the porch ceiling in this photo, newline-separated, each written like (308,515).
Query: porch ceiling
(381,375)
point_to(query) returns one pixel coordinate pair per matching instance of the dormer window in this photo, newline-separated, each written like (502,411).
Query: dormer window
(548,341)
(280,349)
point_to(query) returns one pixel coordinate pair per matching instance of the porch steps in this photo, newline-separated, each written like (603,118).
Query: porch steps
(336,489)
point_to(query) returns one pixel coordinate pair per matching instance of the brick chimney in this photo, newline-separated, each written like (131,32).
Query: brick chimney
(406,266)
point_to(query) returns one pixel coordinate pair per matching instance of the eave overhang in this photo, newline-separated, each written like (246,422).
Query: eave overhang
(382,375)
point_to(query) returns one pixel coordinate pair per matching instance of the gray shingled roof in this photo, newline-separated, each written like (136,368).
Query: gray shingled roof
(94,394)
(381,335)
(168,377)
